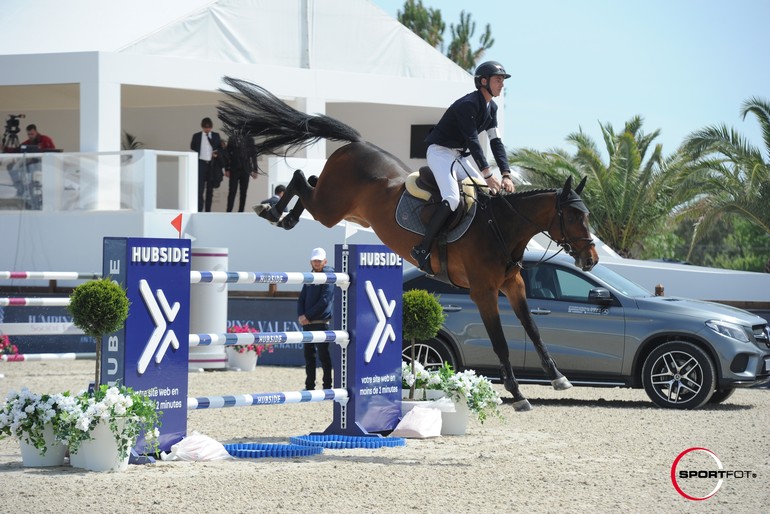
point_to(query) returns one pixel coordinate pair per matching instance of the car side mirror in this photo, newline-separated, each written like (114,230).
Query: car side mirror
(600,295)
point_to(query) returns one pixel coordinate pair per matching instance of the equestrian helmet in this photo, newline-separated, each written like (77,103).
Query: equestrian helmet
(487,69)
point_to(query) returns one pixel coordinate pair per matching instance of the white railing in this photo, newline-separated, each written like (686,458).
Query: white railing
(137,180)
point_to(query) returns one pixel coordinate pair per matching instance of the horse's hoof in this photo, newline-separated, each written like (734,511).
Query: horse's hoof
(561,383)
(522,405)
(263,210)
(288,222)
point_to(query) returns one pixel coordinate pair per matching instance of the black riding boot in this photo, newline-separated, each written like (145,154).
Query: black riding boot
(421,253)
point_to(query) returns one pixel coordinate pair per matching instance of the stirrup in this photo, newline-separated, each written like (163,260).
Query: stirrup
(423,259)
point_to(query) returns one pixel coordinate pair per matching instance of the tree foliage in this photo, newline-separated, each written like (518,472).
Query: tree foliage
(630,195)
(727,176)
(422,315)
(426,23)
(461,48)
(429,25)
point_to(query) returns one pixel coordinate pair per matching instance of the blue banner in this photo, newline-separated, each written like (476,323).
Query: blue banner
(151,353)
(374,354)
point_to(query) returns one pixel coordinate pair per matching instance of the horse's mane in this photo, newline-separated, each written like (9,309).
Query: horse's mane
(529,192)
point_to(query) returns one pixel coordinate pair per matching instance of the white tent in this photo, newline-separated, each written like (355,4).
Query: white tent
(86,71)
(153,68)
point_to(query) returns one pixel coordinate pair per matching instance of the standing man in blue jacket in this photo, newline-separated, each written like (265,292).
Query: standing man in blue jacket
(314,311)
(454,151)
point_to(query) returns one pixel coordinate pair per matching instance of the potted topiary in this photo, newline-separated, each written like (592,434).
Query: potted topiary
(422,318)
(99,307)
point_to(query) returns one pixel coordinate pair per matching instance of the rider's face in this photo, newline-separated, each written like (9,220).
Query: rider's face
(496,84)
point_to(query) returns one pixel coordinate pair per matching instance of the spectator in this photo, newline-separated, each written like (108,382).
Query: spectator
(277,195)
(240,166)
(208,145)
(314,310)
(34,137)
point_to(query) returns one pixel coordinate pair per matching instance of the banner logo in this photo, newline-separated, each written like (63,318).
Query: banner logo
(383,310)
(160,339)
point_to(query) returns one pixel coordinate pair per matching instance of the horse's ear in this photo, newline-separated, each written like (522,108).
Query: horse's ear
(582,184)
(565,191)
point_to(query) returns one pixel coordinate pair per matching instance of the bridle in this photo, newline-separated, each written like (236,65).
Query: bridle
(565,244)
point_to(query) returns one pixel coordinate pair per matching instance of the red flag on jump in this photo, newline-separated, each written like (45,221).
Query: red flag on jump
(177,224)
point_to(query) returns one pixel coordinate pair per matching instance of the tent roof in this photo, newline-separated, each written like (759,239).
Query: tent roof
(353,36)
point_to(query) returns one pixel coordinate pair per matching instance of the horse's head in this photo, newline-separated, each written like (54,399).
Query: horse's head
(569,228)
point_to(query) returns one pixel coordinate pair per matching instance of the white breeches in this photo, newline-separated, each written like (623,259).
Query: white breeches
(448,166)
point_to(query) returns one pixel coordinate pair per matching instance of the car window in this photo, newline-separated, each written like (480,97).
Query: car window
(572,287)
(547,282)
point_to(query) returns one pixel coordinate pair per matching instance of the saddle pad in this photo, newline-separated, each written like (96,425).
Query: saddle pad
(467,186)
(408,217)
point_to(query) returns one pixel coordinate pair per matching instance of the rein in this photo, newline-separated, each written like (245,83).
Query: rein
(565,244)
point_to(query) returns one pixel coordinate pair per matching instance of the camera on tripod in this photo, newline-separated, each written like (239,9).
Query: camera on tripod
(12,129)
(12,124)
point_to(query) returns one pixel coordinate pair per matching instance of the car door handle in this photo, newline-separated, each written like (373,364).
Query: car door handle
(451,308)
(540,312)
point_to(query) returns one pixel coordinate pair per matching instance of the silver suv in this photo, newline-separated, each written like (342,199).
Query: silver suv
(604,330)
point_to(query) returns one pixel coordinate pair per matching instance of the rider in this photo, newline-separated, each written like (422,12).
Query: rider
(454,139)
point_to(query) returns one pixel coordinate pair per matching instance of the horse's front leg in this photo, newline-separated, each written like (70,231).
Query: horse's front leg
(486,301)
(517,297)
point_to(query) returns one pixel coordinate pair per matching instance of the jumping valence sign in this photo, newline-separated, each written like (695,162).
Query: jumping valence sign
(150,354)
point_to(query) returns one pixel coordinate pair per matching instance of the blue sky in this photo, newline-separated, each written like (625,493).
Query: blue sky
(680,64)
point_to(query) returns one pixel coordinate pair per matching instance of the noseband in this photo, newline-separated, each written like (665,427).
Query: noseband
(567,244)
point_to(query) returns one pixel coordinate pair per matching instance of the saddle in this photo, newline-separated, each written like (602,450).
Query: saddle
(422,185)
(420,200)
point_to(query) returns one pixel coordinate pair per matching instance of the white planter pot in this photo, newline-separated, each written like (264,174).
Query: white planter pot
(245,361)
(100,453)
(54,455)
(455,423)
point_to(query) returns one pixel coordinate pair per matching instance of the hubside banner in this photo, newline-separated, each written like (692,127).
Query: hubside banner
(373,372)
(150,354)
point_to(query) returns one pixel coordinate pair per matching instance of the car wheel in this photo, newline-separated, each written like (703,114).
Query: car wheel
(432,354)
(678,375)
(721,395)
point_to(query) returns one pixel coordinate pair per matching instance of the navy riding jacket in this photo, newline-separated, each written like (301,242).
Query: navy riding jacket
(461,124)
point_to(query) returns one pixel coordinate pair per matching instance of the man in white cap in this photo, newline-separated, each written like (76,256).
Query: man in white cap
(314,311)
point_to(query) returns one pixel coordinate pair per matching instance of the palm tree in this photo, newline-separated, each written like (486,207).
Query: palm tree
(630,198)
(460,49)
(426,23)
(730,176)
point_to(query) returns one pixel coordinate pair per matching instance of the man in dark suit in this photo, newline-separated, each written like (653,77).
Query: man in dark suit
(208,145)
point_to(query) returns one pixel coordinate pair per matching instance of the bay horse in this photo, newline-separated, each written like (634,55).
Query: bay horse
(363,183)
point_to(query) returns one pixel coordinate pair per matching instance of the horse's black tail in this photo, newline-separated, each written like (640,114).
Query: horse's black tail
(252,112)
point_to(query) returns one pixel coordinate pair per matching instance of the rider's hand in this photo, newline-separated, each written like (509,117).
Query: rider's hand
(492,182)
(507,184)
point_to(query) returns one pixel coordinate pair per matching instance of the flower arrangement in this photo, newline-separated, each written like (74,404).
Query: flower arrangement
(25,414)
(421,379)
(258,348)
(6,348)
(475,390)
(128,414)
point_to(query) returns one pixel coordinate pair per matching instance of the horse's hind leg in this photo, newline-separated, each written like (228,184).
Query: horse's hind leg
(297,186)
(490,315)
(292,218)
